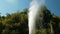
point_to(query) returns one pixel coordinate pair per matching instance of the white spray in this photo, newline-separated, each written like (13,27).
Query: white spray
(33,12)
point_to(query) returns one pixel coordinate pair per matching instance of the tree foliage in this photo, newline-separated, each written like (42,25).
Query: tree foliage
(17,23)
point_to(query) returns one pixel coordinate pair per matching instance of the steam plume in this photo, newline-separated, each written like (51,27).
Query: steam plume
(35,6)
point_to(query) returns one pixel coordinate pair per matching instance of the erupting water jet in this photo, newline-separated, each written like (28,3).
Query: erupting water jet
(35,6)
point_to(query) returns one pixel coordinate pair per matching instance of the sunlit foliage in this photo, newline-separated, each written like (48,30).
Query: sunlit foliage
(17,23)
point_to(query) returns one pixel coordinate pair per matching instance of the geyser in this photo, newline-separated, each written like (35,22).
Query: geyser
(35,8)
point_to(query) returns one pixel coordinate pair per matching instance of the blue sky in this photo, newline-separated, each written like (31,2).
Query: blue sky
(53,6)
(11,6)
